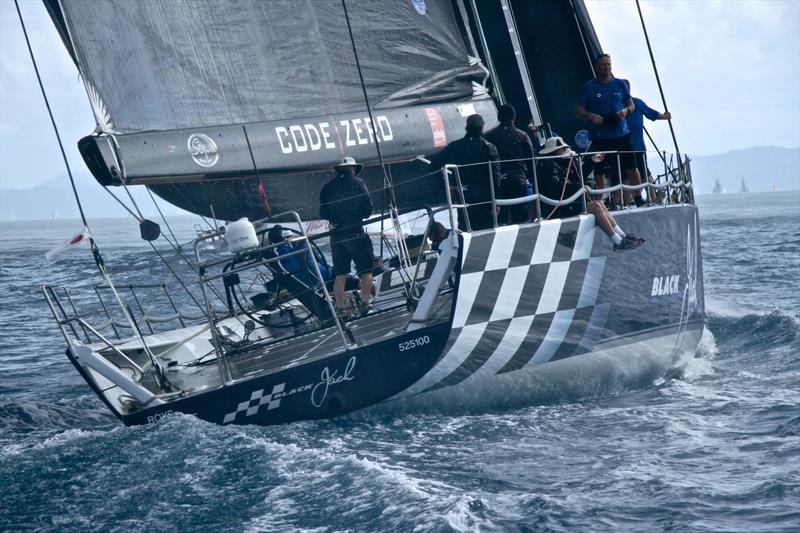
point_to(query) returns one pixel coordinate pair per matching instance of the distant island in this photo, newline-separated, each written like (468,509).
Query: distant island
(53,199)
(757,169)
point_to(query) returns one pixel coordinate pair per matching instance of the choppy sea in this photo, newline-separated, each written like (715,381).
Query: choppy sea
(712,446)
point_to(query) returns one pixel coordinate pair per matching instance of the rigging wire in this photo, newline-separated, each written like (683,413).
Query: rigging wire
(53,121)
(658,80)
(95,250)
(387,181)
(98,259)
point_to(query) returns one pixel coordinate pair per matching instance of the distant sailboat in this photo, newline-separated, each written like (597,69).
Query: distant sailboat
(12,216)
(744,187)
(717,187)
(775,188)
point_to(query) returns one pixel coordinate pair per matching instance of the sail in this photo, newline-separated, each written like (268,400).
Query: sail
(192,91)
(242,108)
(174,64)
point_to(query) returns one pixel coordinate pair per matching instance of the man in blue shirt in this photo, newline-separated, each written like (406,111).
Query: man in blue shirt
(635,122)
(605,102)
(300,265)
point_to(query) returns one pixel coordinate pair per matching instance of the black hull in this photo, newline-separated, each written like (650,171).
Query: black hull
(540,311)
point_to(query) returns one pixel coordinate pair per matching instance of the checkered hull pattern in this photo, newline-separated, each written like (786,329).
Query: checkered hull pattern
(526,295)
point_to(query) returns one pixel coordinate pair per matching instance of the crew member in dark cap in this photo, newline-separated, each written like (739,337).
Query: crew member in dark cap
(345,203)
(472,150)
(515,151)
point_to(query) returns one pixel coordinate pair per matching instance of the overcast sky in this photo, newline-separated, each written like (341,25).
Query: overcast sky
(730,71)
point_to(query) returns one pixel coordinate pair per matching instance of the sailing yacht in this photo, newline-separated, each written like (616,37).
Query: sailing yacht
(239,111)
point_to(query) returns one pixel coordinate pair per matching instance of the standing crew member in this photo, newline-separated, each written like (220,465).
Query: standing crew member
(474,151)
(635,122)
(515,151)
(345,203)
(605,102)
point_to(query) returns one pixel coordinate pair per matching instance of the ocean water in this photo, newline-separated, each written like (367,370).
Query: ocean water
(713,446)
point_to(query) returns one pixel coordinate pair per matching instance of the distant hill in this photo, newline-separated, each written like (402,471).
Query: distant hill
(763,168)
(54,199)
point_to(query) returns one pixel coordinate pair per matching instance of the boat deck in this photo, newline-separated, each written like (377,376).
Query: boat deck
(190,363)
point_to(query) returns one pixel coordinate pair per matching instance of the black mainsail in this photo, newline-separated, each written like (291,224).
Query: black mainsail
(210,103)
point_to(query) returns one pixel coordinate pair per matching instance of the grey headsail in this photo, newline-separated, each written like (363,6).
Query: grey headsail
(210,103)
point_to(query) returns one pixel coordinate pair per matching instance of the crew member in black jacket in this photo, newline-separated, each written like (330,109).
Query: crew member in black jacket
(344,202)
(515,151)
(475,151)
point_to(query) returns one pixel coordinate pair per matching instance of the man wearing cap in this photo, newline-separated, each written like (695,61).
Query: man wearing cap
(300,265)
(345,203)
(605,102)
(471,151)
(559,179)
(515,151)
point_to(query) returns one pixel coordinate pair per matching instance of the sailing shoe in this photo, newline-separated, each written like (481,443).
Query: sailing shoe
(628,243)
(364,309)
(641,240)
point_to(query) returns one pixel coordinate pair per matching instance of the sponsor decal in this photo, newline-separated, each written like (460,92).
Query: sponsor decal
(419,5)
(663,285)
(203,150)
(437,127)
(466,110)
(319,392)
(156,418)
(582,140)
(329,379)
(299,138)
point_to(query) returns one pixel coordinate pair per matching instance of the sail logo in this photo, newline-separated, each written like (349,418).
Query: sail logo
(437,127)
(203,150)
(323,135)
(419,5)
(663,285)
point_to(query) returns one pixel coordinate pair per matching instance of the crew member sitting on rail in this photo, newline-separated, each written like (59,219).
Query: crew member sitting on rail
(558,179)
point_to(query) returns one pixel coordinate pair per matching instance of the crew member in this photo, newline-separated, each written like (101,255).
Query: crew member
(515,151)
(473,154)
(605,102)
(345,203)
(635,122)
(559,179)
